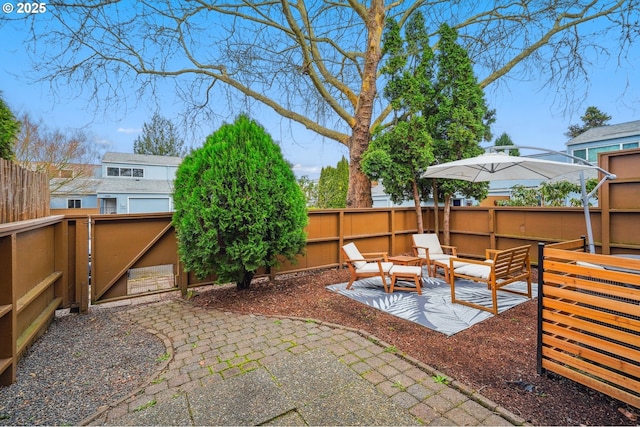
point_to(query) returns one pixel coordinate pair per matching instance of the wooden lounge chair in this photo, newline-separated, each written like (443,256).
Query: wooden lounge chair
(369,264)
(499,269)
(428,248)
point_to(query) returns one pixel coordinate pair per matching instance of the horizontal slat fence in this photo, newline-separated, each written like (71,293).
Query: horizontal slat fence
(589,319)
(24,194)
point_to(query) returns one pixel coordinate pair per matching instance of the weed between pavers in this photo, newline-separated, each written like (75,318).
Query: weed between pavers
(146,406)
(440,379)
(163,357)
(399,386)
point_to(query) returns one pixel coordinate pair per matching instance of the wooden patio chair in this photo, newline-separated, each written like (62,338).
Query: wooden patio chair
(370,264)
(428,248)
(501,268)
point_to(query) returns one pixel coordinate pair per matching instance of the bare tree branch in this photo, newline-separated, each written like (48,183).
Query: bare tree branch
(309,61)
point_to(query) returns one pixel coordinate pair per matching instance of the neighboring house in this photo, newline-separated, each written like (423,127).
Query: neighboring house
(602,139)
(125,183)
(585,146)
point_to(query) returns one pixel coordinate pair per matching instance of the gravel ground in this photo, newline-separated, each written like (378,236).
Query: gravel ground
(83,362)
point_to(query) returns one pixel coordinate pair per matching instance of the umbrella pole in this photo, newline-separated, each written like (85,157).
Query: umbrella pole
(587,214)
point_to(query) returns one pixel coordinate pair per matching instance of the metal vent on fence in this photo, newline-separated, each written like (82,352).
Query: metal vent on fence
(150,279)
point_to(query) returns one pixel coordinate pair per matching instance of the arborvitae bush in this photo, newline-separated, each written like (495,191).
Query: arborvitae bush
(237,205)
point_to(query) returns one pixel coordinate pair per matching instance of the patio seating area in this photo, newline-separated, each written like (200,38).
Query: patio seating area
(417,274)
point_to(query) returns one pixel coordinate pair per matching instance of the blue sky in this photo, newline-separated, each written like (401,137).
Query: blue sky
(530,114)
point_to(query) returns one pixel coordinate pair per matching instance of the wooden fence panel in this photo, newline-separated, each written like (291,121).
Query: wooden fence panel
(589,319)
(24,194)
(32,276)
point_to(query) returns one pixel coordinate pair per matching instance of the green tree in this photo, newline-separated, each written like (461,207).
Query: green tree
(333,185)
(399,154)
(159,138)
(309,189)
(505,140)
(547,194)
(238,206)
(9,129)
(592,118)
(460,119)
(522,196)
(313,62)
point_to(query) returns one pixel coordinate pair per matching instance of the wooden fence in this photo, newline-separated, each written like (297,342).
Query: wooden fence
(24,194)
(36,270)
(589,319)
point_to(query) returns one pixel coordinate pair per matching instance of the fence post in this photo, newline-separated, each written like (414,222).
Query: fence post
(540,305)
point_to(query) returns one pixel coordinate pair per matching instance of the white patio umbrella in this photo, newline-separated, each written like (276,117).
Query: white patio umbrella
(499,166)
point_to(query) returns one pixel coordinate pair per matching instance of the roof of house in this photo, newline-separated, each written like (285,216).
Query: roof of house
(125,185)
(76,186)
(146,159)
(604,133)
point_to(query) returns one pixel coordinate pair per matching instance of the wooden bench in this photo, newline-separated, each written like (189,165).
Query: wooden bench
(500,268)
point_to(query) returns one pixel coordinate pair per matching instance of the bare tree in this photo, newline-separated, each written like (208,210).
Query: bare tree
(313,62)
(68,159)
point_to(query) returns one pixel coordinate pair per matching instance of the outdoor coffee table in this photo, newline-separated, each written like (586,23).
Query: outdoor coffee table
(405,260)
(406,272)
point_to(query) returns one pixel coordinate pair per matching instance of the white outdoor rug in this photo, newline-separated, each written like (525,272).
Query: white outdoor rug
(433,309)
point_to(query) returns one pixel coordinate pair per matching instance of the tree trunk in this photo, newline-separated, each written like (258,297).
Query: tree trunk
(436,211)
(416,201)
(445,220)
(359,194)
(246,281)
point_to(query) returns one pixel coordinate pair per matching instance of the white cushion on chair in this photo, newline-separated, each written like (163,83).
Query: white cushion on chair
(353,253)
(427,240)
(439,257)
(474,270)
(372,267)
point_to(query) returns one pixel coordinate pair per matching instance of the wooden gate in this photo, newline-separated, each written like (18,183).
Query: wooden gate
(134,255)
(589,319)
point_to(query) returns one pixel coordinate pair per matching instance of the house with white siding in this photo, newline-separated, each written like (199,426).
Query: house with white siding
(126,183)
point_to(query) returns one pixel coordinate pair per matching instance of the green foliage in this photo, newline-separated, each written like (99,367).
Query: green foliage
(159,138)
(333,185)
(9,129)
(589,184)
(399,154)
(398,157)
(309,189)
(592,118)
(505,140)
(238,206)
(440,379)
(546,194)
(556,193)
(460,118)
(522,196)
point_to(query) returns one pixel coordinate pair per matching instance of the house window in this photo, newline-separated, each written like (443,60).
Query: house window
(65,173)
(126,172)
(580,153)
(74,203)
(630,145)
(593,152)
